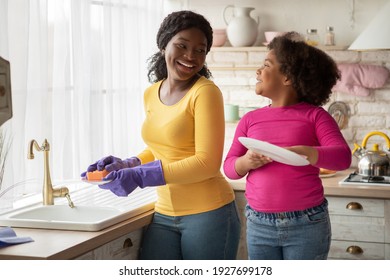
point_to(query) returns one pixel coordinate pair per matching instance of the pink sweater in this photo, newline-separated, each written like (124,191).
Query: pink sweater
(277,187)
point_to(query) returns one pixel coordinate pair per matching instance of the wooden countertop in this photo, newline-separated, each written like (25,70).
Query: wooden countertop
(333,188)
(62,244)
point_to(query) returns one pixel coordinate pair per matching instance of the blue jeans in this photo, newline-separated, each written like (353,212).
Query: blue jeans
(298,235)
(211,235)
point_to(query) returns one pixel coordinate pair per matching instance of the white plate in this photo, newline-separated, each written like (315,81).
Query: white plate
(94,182)
(276,153)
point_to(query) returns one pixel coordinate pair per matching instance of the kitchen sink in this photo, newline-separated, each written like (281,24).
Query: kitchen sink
(63,217)
(95,209)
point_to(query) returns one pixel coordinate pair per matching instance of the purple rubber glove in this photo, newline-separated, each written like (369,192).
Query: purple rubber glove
(111,163)
(126,180)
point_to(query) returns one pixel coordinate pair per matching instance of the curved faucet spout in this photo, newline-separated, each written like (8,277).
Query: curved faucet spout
(31,146)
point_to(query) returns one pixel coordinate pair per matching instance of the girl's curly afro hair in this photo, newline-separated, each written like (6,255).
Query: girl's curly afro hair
(312,72)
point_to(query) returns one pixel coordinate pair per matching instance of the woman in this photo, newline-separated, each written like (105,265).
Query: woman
(195,213)
(287,214)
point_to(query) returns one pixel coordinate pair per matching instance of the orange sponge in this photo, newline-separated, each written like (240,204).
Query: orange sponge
(97,175)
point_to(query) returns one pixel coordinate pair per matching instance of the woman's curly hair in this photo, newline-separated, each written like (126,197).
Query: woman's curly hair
(312,72)
(171,25)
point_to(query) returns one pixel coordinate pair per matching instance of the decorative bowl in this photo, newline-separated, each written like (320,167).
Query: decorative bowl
(219,37)
(270,35)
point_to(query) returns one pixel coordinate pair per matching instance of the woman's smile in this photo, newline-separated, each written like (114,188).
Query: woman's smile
(187,67)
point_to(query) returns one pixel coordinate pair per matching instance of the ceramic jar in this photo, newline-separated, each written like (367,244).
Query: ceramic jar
(231,113)
(242,28)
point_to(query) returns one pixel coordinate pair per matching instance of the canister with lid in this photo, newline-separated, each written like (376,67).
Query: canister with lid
(329,36)
(312,38)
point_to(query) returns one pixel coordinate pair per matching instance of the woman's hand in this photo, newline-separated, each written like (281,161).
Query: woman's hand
(249,161)
(111,163)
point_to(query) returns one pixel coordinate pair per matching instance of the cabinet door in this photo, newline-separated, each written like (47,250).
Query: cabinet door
(123,248)
(357,219)
(368,229)
(242,253)
(352,206)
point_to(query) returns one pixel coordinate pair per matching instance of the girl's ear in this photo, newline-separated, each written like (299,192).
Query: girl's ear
(287,81)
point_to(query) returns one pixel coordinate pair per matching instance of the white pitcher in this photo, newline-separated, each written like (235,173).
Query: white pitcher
(242,28)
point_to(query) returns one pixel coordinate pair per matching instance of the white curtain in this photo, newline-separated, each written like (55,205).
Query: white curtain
(78,69)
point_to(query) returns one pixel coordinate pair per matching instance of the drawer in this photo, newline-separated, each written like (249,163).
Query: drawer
(368,229)
(123,248)
(356,206)
(369,251)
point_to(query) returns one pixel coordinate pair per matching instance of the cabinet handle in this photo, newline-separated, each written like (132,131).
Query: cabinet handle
(127,243)
(354,250)
(354,206)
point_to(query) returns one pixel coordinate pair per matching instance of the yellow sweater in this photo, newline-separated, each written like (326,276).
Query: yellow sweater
(188,138)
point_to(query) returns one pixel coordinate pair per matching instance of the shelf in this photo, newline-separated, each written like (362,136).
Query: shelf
(262,48)
(234,68)
(239,49)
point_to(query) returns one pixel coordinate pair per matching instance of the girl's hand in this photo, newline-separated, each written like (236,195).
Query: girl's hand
(310,153)
(249,161)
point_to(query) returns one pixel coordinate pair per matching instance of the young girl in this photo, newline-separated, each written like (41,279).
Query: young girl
(287,215)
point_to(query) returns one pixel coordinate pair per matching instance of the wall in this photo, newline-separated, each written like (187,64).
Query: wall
(236,78)
(348,17)
(234,72)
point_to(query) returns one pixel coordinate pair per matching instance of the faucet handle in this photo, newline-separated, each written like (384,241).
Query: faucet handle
(45,146)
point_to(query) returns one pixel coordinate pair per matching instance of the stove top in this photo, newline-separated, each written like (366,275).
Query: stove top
(357,179)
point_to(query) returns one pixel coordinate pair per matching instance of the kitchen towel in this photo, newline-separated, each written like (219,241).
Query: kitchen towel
(358,79)
(8,237)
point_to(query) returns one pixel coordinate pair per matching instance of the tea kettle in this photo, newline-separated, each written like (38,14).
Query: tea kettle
(373,162)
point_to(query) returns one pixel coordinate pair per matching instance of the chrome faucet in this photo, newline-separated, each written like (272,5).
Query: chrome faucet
(48,192)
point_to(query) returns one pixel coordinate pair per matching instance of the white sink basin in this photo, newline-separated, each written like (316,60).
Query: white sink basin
(94,210)
(90,218)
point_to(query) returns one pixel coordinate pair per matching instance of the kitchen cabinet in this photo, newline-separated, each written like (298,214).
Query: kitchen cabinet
(125,247)
(359,228)
(242,253)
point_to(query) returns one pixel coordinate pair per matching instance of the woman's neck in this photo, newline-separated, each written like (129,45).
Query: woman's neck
(172,91)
